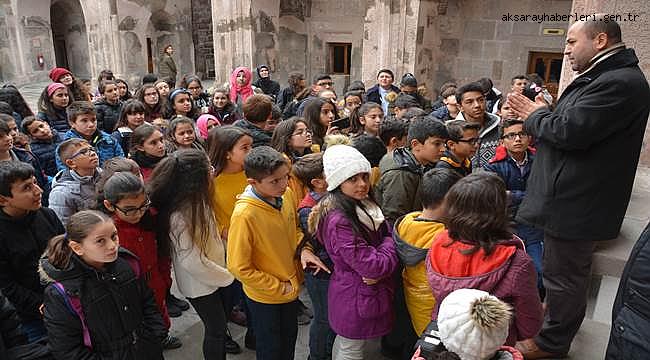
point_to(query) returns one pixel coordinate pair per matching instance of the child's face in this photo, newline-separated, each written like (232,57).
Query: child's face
(153,145)
(219,100)
(270,125)
(121,89)
(100,246)
(515,139)
(211,124)
(111,93)
(40,130)
(66,79)
(88,86)
(238,152)
(163,88)
(184,135)
(352,102)
(130,209)
(326,114)
(465,147)
(182,104)
(13,129)
(429,152)
(195,89)
(134,120)
(357,187)
(274,185)
(25,196)
(507,112)
(161,124)
(241,78)
(83,159)
(384,80)
(400,142)
(151,97)
(6,142)
(301,137)
(60,98)
(372,120)
(85,124)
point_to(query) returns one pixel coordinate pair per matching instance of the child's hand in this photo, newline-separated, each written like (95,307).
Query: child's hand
(369,281)
(287,288)
(309,260)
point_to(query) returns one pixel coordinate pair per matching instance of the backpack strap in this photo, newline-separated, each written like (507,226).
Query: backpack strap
(134,264)
(73,303)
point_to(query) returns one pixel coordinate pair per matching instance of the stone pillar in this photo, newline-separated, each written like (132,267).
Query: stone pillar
(390,32)
(635,35)
(233,36)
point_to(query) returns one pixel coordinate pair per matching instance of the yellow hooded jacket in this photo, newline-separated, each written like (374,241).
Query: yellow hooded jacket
(262,242)
(416,234)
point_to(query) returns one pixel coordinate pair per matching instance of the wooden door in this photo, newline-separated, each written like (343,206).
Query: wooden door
(548,66)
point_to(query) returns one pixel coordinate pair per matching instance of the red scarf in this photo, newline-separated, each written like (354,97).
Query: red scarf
(244,90)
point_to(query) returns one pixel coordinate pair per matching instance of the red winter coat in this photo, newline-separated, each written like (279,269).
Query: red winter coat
(507,273)
(156,270)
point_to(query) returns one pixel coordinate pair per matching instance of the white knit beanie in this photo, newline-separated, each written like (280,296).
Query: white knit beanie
(473,323)
(341,162)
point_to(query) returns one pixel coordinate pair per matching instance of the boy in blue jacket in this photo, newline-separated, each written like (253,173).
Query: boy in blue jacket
(512,162)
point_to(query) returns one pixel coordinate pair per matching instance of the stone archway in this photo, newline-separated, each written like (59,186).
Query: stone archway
(70,38)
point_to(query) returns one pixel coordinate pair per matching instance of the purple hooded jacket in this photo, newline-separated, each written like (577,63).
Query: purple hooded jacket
(514,281)
(357,310)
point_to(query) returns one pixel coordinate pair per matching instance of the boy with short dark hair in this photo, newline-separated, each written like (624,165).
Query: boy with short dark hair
(398,190)
(262,241)
(73,189)
(413,234)
(373,149)
(25,229)
(44,141)
(393,134)
(108,107)
(461,146)
(513,162)
(257,110)
(83,122)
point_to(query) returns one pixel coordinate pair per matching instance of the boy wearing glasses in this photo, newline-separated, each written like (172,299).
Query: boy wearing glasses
(512,162)
(461,146)
(73,189)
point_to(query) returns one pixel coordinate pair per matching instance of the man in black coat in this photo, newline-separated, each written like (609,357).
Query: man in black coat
(628,338)
(581,181)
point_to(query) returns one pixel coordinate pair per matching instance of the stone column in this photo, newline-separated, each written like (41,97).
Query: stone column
(233,36)
(635,35)
(390,32)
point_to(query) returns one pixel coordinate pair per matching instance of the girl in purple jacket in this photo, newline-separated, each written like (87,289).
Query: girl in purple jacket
(358,240)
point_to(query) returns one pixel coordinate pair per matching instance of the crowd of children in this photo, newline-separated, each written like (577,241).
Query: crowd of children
(380,210)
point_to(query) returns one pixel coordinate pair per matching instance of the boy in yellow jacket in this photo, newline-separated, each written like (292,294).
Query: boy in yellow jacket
(262,241)
(413,234)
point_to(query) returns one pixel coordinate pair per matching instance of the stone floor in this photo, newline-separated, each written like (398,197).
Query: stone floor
(590,342)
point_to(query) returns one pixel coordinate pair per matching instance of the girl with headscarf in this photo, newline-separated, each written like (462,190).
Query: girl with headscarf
(264,82)
(240,86)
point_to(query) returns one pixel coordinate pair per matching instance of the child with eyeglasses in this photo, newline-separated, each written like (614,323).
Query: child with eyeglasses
(125,199)
(512,162)
(461,146)
(73,189)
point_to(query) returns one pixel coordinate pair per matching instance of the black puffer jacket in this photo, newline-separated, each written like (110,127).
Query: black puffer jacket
(119,309)
(107,115)
(22,241)
(13,342)
(631,313)
(587,152)
(260,136)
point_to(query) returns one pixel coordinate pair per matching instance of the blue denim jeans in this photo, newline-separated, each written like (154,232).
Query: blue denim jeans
(276,329)
(534,240)
(321,336)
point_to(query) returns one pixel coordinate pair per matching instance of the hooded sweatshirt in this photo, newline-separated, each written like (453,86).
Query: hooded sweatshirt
(262,243)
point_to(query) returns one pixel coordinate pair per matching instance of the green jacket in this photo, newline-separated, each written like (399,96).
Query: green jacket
(167,68)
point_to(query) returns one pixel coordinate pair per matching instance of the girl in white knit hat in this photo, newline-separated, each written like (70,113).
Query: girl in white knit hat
(358,240)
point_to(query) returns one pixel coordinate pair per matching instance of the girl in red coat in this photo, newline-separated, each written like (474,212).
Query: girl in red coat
(125,199)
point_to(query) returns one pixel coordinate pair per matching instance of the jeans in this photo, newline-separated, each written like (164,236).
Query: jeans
(210,310)
(276,329)
(533,239)
(321,336)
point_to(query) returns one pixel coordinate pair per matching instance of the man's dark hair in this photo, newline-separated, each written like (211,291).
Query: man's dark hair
(602,25)
(149,78)
(435,184)
(386,71)
(319,77)
(424,127)
(371,147)
(308,168)
(79,108)
(506,123)
(12,171)
(469,87)
(486,83)
(518,77)
(262,161)
(257,108)
(405,101)
(412,113)
(456,128)
(535,78)
(392,128)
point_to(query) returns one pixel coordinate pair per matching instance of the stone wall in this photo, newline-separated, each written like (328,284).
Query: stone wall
(202,38)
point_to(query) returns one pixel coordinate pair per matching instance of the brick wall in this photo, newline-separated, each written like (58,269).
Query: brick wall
(202,37)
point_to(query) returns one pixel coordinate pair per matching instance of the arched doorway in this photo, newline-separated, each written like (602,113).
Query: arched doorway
(70,37)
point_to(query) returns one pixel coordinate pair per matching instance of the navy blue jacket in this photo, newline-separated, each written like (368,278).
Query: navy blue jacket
(45,151)
(59,122)
(373,93)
